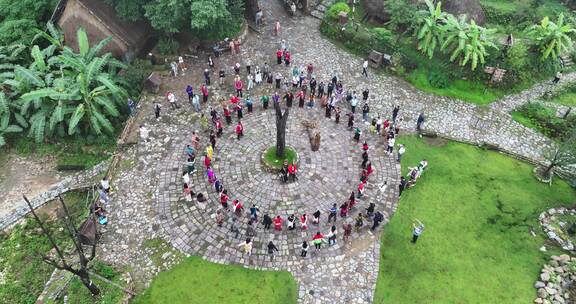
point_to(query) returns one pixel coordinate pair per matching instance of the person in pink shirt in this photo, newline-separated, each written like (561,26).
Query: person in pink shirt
(238,85)
(204,91)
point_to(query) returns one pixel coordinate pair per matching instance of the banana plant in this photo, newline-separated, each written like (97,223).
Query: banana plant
(6,123)
(467,42)
(431,32)
(552,38)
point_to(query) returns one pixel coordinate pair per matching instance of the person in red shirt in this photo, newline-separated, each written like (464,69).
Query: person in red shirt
(227,114)
(287,58)
(369,169)
(300,97)
(207,161)
(239,129)
(279,56)
(365,146)
(292,171)
(344,209)
(386,124)
(204,91)
(218,125)
(237,207)
(238,85)
(224,199)
(234,99)
(361,189)
(304,221)
(278,223)
(310,69)
(317,240)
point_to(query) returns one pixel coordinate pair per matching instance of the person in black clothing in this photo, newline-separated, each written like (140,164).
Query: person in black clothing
(330,89)
(321,89)
(289,97)
(402,185)
(395,113)
(420,121)
(304,249)
(284,172)
(365,111)
(365,94)
(221,76)
(271,249)
(316,217)
(378,218)
(370,210)
(267,221)
(313,86)
(207,77)
(212,139)
(364,159)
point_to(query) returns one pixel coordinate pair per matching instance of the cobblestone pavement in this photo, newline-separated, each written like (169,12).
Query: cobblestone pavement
(148,203)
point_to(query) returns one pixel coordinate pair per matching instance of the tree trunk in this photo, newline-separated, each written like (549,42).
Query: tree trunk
(85,278)
(281,120)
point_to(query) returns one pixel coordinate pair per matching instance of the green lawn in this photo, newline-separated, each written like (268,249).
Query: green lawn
(198,281)
(477,207)
(278,162)
(523,120)
(567,99)
(472,92)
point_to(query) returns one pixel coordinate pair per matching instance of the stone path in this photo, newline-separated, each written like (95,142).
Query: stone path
(84,179)
(148,203)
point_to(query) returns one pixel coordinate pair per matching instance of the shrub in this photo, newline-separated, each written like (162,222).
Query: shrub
(135,75)
(168,46)
(438,79)
(383,38)
(335,9)
(546,121)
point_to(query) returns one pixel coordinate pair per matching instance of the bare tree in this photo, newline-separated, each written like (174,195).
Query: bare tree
(561,155)
(60,263)
(281,120)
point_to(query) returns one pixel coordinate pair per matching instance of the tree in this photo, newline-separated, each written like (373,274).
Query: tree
(63,92)
(467,42)
(61,263)
(402,14)
(281,120)
(552,39)
(431,30)
(204,18)
(561,155)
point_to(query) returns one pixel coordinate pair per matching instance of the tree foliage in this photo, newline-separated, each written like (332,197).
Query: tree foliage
(431,31)
(204,18)
(552,38)
(467,42)
(61,92)
(19,19)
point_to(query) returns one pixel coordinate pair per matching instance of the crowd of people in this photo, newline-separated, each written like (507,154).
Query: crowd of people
(302,85)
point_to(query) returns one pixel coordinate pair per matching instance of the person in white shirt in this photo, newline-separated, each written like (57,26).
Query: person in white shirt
(105,184)
(365,68)
(172,100)
(391,142)
(144,133)
(185,178)
(401,150)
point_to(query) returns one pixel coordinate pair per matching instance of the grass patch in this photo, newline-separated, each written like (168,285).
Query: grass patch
(473,92)
(274,161)
(23,270)
(161,251)
(566,98)
(199,281)
(523,120)
(79,294)
(71,151)
(478,207)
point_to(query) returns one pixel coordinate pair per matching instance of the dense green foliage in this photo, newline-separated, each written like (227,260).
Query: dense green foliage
(552,38)
(20,19)
(207,19)
(62,92)
(537,116)
(334,10)
(478,208)
(214,283)
(431,32)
